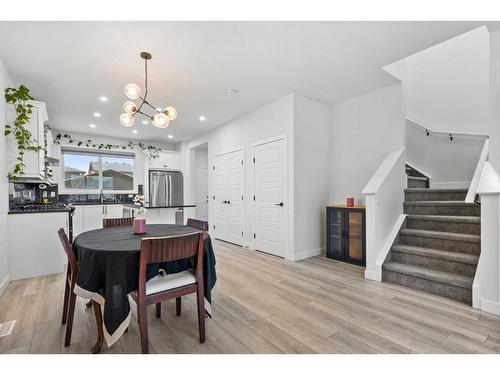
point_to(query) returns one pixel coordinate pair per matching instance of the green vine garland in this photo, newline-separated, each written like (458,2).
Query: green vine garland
(152,152)
(18,97)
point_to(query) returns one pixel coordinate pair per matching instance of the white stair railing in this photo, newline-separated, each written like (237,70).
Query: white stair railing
(471,193)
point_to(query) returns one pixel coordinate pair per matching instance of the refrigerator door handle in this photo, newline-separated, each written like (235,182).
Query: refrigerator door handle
(169,189)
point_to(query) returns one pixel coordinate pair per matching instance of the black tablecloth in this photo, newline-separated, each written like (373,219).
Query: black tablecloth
(108,261)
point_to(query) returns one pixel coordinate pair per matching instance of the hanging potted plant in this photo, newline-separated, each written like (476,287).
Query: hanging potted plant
(19,98)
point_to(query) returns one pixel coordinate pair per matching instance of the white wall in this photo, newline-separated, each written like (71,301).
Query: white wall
(494,155)
(311,167)
(363,131)
(449,164)
(5,115)
(447,85)
(273,120)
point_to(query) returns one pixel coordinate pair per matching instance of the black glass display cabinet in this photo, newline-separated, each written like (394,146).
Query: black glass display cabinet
(346,235)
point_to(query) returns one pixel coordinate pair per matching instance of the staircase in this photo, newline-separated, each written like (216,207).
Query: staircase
(438,247)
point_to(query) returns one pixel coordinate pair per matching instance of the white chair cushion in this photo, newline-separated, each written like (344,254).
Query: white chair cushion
(162,283)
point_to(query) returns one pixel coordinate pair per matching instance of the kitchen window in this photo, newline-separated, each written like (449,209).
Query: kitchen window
(90,172)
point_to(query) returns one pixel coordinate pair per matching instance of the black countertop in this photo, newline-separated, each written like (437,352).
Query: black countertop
(16,211)
(155,207)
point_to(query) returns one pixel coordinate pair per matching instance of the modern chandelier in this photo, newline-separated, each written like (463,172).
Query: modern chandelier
(160,118)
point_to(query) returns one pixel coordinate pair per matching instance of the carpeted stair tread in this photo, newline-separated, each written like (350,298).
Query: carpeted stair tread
(446,218)
(434,190)
(414,178)
(429,274)
(437,254)
(441,235)
(439,203)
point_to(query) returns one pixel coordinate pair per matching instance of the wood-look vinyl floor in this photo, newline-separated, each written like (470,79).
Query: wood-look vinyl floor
(264,304)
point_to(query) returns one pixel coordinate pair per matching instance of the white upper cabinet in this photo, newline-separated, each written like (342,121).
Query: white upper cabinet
(167,160)
(34,161)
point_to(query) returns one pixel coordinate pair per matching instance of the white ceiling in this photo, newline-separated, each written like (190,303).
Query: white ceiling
(70,64)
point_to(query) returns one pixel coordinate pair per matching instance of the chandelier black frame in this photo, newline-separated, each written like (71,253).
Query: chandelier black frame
(160,119)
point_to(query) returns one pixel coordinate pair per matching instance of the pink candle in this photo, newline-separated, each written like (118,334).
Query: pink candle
(139,225)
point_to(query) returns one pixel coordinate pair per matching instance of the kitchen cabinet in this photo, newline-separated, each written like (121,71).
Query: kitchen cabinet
(166,160)
(346,236)
(113,211)
(158,215)
(90,217)
(34,245)
(34,162)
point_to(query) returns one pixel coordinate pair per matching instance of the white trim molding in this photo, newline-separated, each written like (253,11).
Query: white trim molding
(384,195)
(300,255)
(486,286)
(4,284)
(471,193)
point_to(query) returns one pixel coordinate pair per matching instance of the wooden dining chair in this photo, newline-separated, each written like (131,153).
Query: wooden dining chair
(198,224)
(69,294)
(120,222)
(161,288)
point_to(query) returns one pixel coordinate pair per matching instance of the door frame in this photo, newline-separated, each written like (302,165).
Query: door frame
(283,137)
(211,195)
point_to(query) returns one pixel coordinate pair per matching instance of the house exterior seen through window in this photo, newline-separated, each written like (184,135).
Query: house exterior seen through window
(95,171)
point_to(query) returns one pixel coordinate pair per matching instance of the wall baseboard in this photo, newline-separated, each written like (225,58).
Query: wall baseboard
(371,275)
(490,306)
(4,284)
(307,254)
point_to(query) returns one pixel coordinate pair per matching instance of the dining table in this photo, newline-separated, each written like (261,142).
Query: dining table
(108,261)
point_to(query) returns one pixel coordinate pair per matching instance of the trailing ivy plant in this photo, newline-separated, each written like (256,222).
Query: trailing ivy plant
(152,151)
(17,128)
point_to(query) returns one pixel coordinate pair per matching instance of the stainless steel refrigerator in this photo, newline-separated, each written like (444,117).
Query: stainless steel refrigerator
(166,188)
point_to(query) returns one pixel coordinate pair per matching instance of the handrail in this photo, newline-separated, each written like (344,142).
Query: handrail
(448,133)
(471,193)
(382,171)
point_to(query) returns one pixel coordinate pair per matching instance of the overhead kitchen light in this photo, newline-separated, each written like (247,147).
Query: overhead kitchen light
(97,114)
(103,98)
(170,136)
(135,131)
(202,118)
(93,125)
(160,119)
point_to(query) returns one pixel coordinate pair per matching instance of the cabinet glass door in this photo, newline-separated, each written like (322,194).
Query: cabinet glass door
(335,231)
(355,232)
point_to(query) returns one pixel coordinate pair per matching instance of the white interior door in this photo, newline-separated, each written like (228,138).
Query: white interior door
(219,226)
(235,197)
(270,224)
(228,202)
(201,193)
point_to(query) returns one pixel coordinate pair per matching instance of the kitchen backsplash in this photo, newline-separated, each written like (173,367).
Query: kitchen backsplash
(95,198)
(29,193)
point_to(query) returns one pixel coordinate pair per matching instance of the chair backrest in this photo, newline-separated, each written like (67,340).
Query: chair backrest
(122,222)
(198,224)
(167,249)
(72,263)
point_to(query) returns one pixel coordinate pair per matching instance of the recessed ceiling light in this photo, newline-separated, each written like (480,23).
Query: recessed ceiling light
(170,136)
(159,109)
(202,118)
(103,98)
(135,131)
(97,114)
(93,125)
(231,91)
(144,122)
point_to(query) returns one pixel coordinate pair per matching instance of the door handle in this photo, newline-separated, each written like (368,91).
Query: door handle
(281,204)
(228,202)
(224,202)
